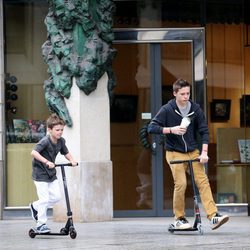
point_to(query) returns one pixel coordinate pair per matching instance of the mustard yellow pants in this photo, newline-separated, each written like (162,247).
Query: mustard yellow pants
(180,183)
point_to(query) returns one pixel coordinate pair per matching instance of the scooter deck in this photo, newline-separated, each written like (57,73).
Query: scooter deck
(51,233)
(34,231)
(172,229)
(182,230)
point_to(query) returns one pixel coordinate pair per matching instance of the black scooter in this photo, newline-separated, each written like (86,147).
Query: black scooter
(69,227)
(197,222)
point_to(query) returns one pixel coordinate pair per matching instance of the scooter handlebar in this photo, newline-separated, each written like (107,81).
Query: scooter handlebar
(184,161)
(64,165)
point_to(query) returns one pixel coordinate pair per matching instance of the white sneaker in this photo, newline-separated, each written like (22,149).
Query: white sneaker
(182,223)
(218,220)
(43,229)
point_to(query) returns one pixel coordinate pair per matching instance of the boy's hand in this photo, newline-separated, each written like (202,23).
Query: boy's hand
(50,164)
(178,130)
(74,163)
(203,157)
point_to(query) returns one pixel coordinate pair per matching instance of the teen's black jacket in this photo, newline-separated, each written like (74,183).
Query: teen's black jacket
(169,115)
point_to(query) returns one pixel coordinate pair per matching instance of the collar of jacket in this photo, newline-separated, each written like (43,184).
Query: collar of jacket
(176,111)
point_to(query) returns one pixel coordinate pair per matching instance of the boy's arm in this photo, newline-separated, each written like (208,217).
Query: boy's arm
(69,157)
(42,159)
(39,157)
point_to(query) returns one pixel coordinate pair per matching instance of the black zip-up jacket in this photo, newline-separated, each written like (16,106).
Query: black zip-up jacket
(170,116)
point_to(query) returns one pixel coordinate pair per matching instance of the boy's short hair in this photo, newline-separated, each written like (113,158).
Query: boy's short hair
(54,120)
(180,83)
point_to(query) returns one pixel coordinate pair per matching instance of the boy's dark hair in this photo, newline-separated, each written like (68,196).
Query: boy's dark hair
(54,120)
(180,83)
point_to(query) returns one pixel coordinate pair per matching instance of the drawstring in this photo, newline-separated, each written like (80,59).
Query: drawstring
(182,136)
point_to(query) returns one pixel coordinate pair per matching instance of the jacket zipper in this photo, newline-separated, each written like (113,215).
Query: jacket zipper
(185,144)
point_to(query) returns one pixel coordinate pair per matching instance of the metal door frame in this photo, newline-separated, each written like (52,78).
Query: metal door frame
(195,36)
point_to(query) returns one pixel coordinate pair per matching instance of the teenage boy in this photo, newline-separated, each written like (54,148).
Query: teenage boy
(180,120)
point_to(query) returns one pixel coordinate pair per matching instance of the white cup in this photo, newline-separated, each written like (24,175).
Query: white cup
(185,122)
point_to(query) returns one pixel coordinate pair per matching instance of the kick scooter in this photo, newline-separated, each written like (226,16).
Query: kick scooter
(197,222)
(69,226)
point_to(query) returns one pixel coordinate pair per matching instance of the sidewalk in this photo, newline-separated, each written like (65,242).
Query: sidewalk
(129,233)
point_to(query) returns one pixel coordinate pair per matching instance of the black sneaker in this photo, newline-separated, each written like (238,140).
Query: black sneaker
(218,220)
(43,229)
(33,212)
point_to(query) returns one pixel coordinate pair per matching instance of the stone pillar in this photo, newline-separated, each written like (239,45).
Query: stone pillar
(90,183)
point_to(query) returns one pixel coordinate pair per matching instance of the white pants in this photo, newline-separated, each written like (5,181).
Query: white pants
(48,194)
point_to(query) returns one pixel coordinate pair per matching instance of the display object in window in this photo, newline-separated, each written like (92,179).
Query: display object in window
(25,131)
(10,93)
(37,130)
(244,149)
(220,110)
(22,131)
(224,198)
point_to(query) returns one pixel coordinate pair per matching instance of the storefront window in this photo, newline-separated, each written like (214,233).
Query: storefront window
(228,91)
(26,110)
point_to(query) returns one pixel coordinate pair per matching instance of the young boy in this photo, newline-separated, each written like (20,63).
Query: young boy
(44,172)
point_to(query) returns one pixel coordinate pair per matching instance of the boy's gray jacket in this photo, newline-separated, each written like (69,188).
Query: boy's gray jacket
(169,115)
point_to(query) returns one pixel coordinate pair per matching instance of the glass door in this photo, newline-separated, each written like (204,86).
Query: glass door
(175,62)
(131,151)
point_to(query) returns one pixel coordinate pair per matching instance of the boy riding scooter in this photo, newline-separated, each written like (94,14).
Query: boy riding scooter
(44,172)
(180,120)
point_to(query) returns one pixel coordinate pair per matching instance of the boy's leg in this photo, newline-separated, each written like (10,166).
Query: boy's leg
(180,182)
(41,204)
(180,185)
(203,186)
(54,192)
(209,205)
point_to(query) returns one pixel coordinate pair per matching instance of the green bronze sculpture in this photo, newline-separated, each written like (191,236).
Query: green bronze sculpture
(78,45)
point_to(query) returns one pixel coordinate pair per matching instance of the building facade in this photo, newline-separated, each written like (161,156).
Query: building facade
(205,42)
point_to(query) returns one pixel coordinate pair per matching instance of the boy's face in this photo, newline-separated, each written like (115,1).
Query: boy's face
(182,96)
(56,132)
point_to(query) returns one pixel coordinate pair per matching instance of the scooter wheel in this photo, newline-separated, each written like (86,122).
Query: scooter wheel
(32,233)
(73,233)
(200,229)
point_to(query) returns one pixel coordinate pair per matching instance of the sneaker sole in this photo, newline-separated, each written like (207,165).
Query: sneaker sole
(183,228)
(221,223)
(43,232)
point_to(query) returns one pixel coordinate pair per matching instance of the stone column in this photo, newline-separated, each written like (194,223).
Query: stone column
(90,183)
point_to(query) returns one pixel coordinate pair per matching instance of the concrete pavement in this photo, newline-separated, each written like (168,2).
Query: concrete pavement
(128,233)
